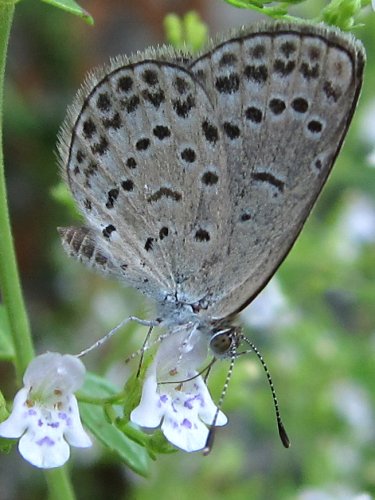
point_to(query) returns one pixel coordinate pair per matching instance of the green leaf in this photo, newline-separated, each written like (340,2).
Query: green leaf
(187,32)
(94,418)
(5,444)
(196,31)
(157,443)
(61,194)
(6,345)
(276,11)
(133,391)
(72,7)
(341,13)
(173,30)
(4,414)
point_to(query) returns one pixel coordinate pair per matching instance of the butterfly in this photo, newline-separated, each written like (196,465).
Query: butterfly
(196,174)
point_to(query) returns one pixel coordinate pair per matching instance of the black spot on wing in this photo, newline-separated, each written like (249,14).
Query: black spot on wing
(270,179)
(164,192)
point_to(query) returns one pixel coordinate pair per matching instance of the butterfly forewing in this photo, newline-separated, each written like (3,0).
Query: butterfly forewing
(284,98)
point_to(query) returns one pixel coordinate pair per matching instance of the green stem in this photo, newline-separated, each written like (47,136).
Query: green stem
(115,399)
(58,480)
(9,277)
(59,486)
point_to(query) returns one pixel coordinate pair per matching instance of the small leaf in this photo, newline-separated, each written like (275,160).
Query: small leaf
(196,31)
(187,32)
(61,194)
(72,7)
(94,418)
(6,345)
(157,443)
(5,444)
(173,30)
(4,414)
(341,13)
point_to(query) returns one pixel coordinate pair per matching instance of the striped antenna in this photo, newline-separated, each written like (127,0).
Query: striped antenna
(224,344)
(282,432)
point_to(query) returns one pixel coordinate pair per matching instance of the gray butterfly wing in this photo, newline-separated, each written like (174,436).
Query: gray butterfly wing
(284,97)
(143,159)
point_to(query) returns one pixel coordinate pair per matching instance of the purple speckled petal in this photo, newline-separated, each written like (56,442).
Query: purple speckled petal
(200,398)
(186,423)
(42,451)
(54,425)
(45,441)
(188,403)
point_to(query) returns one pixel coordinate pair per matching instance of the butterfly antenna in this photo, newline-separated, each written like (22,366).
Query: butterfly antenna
(282,432)
(211,433)
(208,371)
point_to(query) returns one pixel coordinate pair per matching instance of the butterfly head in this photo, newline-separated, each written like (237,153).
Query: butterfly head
(225,341)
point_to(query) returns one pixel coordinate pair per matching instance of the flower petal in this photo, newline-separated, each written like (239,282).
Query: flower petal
(208,408)
(174,393)
(45,411)
(44,452)
(74,431)
(187,434)
(14,426)
(53,370)
(150,410)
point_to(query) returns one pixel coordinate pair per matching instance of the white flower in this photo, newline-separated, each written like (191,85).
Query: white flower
(45,412)
(356,227)
(269,308)
(183,407)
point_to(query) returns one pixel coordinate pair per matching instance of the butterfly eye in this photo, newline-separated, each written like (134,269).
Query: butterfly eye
(222,342)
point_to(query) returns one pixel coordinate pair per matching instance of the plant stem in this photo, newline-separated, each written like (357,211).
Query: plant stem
(9,277)
(58,481)
(59,486)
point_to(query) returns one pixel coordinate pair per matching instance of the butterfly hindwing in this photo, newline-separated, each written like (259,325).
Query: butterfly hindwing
(147,170)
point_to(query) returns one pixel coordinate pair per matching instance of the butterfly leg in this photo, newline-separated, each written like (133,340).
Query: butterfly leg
(110,334)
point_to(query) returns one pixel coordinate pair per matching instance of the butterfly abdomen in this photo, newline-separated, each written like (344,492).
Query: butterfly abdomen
(79,243)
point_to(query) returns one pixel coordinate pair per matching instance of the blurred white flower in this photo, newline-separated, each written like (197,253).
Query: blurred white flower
(269,308)
(45,412)
(356,227)
(332,492)
(181,406)
(353,404)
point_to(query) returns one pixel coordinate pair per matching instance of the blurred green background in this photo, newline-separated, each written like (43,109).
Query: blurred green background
(314,323)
